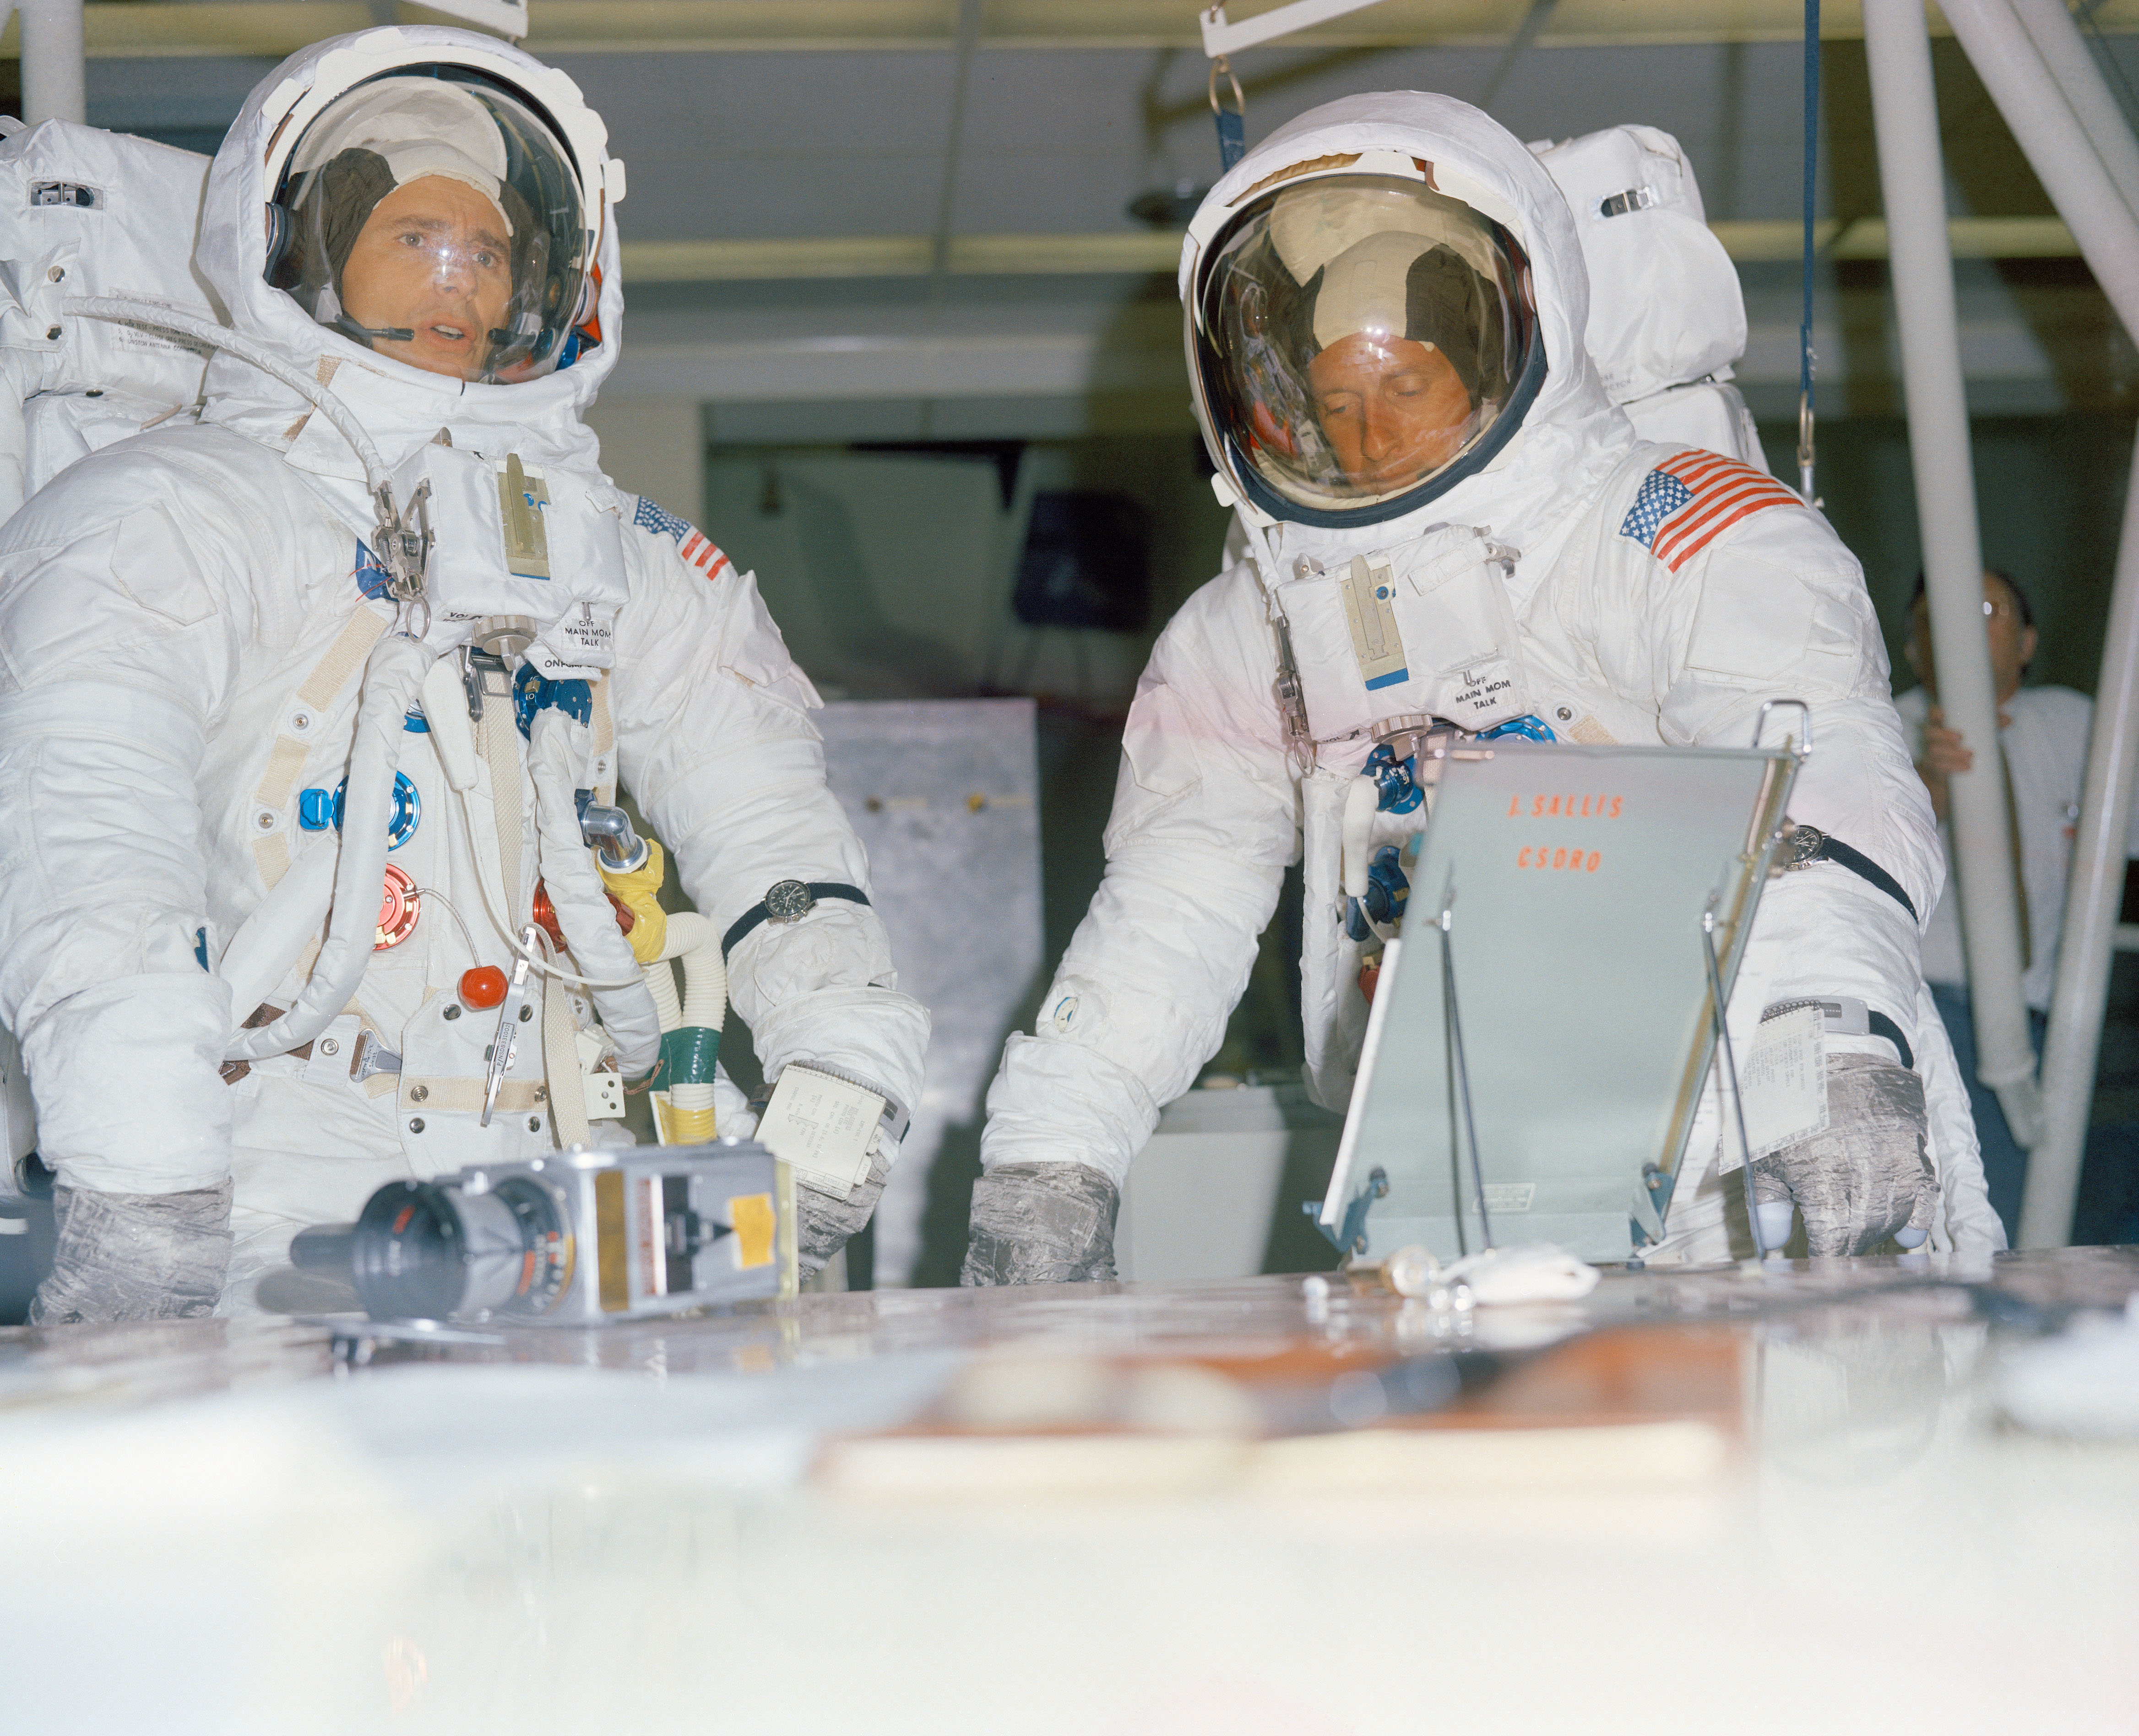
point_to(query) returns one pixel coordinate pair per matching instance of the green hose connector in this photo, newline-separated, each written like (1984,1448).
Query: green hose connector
(688,1055)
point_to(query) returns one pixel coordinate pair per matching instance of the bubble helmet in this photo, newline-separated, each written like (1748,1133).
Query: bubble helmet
(464,212)
(1360,343)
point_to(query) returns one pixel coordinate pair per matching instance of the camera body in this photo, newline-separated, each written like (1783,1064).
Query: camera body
(579,1239)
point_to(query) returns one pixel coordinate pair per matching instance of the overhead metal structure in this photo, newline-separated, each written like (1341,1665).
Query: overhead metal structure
(277,27)
(1056,253)
(1221,37)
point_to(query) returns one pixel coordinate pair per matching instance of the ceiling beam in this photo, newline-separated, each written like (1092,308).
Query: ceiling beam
(115,29)
(909,256)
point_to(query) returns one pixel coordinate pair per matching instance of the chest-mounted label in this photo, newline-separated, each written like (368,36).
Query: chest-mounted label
(587,635)
(1424,627)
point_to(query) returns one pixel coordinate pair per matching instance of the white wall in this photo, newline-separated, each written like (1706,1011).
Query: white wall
(655,446)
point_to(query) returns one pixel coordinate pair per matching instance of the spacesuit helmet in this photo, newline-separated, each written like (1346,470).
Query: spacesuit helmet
(436,214)
(1360,342)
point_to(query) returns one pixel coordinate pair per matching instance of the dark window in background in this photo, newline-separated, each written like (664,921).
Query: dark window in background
(1087,563)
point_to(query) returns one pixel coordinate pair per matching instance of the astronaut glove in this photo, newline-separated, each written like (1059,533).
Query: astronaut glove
(135,1256)
(1042,1223)
(827,1219)
(1869,1174)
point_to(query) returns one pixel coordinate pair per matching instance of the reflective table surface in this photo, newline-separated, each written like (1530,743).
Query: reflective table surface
(1858,1494)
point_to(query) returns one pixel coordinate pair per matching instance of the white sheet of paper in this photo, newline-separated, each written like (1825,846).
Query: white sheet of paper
(1784,1079)
(822,1126)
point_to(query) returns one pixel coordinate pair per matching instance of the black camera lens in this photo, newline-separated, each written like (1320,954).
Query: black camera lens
(431,1250)
(410,1256)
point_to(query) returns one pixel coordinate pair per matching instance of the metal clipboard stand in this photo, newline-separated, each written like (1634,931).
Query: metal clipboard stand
(1553,1096)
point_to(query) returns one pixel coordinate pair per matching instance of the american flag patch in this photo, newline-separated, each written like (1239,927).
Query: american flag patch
(690,542)
(1686,503)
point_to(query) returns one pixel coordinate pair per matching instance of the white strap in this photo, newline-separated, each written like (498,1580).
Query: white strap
(560,1066)
(603,726)
(495,735)
(286,762)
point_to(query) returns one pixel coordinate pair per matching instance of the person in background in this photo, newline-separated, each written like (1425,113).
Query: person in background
(2043,732)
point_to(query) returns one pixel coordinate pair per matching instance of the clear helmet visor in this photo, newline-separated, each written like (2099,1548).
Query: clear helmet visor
(1358,339)
(438,219)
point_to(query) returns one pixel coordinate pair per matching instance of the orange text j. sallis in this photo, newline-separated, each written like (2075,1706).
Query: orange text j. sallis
(1567,807)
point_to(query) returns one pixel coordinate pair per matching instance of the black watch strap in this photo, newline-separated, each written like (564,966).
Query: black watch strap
(1809,845)
(1876,1023)
(1882,1026)
(789,901)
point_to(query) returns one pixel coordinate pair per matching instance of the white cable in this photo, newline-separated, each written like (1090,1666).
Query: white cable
(512,941)
(467,938)
(147,310)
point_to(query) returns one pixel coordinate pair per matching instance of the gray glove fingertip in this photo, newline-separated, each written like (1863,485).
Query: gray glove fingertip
(1041,1223)
(828,1223)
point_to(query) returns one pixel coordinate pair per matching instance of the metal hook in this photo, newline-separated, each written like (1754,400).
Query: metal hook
(1804,714)
(1239,101)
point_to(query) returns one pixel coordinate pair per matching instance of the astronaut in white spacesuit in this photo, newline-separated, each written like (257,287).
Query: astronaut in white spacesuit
(1446,519)
(219,708)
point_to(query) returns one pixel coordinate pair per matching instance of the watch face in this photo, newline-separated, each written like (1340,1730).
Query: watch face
(1805,845)
(788,902)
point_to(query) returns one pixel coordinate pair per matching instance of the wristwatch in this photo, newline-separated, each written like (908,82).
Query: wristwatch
(1808,845)
(787,901)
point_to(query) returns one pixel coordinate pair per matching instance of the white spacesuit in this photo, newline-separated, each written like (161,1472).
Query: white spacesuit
(1447,519)
(222,706)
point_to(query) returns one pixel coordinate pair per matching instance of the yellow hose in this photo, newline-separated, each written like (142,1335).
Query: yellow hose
(640,890)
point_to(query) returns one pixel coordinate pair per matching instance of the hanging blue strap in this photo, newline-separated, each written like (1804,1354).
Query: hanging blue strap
(1811,199)
(1233,122)
(1233,137)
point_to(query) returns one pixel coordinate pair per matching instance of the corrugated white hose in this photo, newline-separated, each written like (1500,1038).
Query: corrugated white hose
(267,942)
(705,1005)
(352,925)
(393,677)
(557,753)
(660,984)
